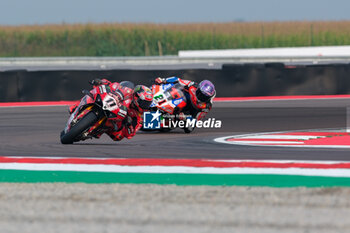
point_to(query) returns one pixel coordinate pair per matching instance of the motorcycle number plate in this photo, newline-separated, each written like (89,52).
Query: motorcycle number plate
(159,97)
(110,103)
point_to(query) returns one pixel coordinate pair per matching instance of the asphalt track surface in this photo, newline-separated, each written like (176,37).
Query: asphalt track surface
(34,131)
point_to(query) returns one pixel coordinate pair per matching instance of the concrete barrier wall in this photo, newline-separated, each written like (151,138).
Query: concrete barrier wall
(233,80)
(313,51)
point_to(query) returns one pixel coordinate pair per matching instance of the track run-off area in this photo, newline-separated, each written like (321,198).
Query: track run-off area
(264,141)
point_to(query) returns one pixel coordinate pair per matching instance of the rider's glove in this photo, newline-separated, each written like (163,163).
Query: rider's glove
(96,82)
(130,130)
(159,80)
(127,121)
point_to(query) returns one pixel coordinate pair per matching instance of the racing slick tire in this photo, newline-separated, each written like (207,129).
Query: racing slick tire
(82,125)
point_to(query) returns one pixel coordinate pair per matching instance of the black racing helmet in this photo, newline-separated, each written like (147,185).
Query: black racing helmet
(205,91)
(143,97)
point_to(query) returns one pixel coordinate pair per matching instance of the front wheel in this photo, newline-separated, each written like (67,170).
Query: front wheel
(87,121)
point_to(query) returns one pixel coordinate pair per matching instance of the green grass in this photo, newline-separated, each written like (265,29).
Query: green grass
(153,39)
(177,179)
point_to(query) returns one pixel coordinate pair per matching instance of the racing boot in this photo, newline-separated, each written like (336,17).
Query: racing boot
(116,136)
(98,135)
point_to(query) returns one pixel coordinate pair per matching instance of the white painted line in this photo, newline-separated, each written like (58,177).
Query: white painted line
(312,146)
(244,143)
(283,161)
(280,145)
(176,169)
(265,142)
(348,119)
(274,136)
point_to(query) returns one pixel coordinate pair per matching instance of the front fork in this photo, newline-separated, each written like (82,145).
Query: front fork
(96,125)
(82,114)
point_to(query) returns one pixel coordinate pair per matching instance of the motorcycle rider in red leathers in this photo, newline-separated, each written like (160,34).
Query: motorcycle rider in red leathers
(134,101)
(199,96)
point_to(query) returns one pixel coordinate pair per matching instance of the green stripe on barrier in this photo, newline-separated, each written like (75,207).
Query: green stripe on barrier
(177,179)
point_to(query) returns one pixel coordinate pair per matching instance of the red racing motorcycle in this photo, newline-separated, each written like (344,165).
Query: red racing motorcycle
(89,118)
(170,100)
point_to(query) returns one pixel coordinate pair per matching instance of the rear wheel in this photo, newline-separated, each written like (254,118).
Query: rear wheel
(82,125)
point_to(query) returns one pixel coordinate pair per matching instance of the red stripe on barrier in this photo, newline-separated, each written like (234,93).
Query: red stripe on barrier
(175,162)
(217,99)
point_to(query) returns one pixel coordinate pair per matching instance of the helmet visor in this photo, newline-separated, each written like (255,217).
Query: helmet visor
(205,91)
(144,104)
